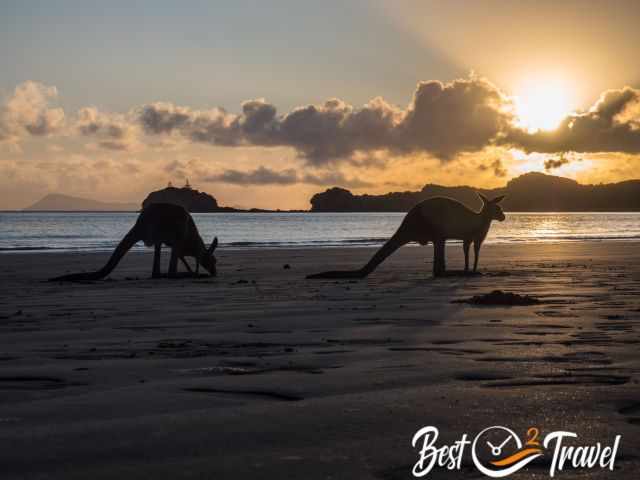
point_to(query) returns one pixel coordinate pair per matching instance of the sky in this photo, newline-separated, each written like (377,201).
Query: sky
(265,103)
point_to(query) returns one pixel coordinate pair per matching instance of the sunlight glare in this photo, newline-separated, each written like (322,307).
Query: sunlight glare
(542,104)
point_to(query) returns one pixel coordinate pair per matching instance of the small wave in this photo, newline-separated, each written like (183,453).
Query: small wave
(307,243)
(64,248)
(107,246)
(367,240)
(25,249)
(561,238)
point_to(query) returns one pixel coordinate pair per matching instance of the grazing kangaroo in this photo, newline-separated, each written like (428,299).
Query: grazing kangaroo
(157,224)
(435,220)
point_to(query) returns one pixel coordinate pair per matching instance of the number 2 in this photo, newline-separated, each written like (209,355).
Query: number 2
(533,434)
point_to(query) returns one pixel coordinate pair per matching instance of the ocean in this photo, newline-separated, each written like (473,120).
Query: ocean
(97,231)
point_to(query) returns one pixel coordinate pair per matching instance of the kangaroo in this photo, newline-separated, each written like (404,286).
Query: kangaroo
(157,224)
(435,220)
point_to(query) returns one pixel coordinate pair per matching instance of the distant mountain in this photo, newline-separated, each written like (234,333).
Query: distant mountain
(59,202)
(531,192)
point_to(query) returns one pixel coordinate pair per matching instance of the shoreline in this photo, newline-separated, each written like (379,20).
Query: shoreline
(235,247)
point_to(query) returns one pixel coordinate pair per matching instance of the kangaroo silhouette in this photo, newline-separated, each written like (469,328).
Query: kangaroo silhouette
(435,220)
(157,224)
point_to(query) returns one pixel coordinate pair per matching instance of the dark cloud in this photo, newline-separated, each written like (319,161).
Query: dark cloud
(258,122)
(161,117)
(215,126)
(259,176)
(319,133)
(553,163)
(562,159)
(266,176)
(611,125)
(335,179)
(495,166)
(446,119)
(335,130)
(43,125)
(442,120)
(113,132)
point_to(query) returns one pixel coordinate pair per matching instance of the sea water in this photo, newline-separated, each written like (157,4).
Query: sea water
(98,231)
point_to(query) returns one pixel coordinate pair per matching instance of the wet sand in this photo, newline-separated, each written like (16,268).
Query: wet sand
(259,373)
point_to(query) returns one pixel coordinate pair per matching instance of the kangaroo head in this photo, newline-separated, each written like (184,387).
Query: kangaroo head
(208,259)
(491,208)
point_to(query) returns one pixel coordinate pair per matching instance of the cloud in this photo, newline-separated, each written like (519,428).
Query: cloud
(443,119)
(173,166)
(335,130)
(266,176)
(112,131)
(334,179)
(553,163)
(215,126)
(28,112)
(611,125)
(495,166)
(460,116)
(259,176)
(562,159)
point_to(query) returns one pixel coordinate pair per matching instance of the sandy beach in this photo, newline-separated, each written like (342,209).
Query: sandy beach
(259,373)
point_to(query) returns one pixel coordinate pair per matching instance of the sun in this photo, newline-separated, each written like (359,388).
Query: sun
(542,104)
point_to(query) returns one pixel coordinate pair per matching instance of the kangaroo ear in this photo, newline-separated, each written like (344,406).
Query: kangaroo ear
(482,197)
(213,246)
(498,199)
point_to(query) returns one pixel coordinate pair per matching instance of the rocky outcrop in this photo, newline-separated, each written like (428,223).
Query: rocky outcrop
(192,200)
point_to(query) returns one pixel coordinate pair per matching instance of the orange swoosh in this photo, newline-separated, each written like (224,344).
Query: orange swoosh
(516,456)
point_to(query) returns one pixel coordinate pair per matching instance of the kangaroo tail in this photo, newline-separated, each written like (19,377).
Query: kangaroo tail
(395,242)
(123,247)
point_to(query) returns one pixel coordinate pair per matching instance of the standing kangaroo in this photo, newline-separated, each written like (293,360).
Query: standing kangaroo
(157,224)
(435,220)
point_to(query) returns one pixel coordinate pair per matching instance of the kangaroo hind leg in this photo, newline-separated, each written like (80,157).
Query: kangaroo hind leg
(173,262)
(476,255)
(156,260)
(439,264)
(465,246)
(186,264)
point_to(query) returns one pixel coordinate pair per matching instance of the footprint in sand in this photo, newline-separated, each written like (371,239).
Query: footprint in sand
(35,382)
(271,394)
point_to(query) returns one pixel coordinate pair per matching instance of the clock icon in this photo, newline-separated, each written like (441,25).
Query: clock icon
(498,451)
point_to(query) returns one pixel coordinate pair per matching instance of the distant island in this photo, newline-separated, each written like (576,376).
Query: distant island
(192,200)
(531,192)
(57,202)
